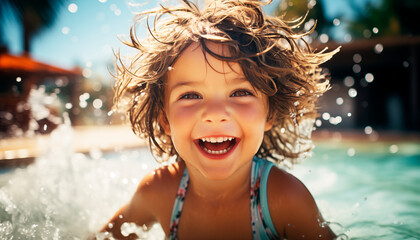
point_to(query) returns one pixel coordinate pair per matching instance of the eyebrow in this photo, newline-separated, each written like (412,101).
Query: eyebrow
(236,80)
(239,79)
(184,83)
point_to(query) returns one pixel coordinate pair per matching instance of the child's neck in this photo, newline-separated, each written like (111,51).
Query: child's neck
(218,191)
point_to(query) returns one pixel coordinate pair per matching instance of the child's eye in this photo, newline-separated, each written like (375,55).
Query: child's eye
(190,96)
(242,93)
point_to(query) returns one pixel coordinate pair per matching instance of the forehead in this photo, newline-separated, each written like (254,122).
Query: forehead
(196,63)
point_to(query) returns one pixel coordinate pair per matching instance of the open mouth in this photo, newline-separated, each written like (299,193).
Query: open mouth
(217,145)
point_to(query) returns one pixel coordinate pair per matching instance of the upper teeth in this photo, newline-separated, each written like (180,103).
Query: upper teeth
(216,140)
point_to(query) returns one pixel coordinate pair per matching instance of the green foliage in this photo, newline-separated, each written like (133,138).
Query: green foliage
(293,9)
(388,18)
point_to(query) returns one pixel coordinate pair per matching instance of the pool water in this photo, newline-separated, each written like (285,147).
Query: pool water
(366,191)
(371,189)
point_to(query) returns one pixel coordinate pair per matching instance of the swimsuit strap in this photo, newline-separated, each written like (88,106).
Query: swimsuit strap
(179,204)
(262,225)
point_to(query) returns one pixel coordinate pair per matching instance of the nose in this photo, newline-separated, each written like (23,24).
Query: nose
(216,111)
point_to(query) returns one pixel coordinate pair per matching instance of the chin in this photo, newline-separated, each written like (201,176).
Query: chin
(216,170)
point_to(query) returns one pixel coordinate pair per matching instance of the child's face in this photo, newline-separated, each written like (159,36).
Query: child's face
(205,103)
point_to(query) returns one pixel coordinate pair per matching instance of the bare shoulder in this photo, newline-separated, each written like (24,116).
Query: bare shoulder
(162,180)
(293,208)
(284,185)
(151,202)
(156,192)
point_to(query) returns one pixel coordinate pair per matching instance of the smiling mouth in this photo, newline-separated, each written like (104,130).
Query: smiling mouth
(217,145)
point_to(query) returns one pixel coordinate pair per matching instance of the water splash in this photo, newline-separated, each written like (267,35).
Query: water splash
(68,195)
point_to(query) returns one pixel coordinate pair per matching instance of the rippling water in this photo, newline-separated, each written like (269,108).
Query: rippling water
(366,192)
(374,194)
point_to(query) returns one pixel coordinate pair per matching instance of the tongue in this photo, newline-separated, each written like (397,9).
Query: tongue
(217,146)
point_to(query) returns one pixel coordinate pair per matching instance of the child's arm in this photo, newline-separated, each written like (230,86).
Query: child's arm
(293,209)
(138,210)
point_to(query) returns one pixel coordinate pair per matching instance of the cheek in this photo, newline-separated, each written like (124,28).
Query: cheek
(253,113)
(181,119)
(253,119)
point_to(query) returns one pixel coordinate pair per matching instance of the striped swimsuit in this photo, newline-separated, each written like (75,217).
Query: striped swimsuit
(262,226)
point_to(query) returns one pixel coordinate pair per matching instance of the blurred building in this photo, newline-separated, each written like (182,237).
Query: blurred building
(18,76)
(375,83)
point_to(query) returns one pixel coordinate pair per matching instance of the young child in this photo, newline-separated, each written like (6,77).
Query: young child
(223,90)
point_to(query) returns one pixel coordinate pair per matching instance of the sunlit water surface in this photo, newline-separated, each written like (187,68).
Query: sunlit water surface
(365,194)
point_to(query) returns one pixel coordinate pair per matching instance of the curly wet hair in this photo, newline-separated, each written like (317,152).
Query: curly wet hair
(274,59)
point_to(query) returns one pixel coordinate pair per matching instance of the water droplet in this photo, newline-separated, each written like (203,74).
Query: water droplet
(349,81)
(170,68)
(368,130)
(97,103)
(335,120)
(406,64)
(110,225)
(72,7)
(323,38)
(83,104)
(357,68)
(87,73)
(351,152)
(85,96)
(349,114)
(357,58)
(336,22)
(69,106)
(352,92)
(339,101)
(18,79)
(378,48)
(65,30)
(369,77)
(375,30)
(326,116)
(318,123)
(125,181)
(296,103)
(367,33)
(393,148)
(144,166)
(347,37)
(308,25)
(311,4)
(125,229)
